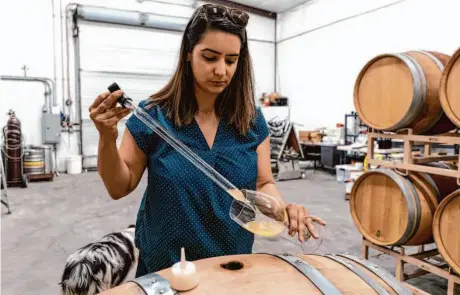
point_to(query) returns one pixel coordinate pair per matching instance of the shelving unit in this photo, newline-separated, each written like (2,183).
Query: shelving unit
(355,133)
(348,139)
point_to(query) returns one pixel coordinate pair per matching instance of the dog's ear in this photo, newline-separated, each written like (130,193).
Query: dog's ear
(132,226)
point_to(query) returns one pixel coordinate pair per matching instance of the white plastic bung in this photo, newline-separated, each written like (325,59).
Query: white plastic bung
(184,275)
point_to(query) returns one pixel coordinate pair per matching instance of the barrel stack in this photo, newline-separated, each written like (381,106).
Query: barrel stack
(412,96)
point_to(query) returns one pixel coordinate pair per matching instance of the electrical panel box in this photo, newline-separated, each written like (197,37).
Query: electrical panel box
(51,128)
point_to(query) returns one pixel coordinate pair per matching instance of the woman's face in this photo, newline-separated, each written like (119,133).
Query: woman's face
(214,60)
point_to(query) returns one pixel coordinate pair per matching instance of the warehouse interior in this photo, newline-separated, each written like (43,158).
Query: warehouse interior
(361,102)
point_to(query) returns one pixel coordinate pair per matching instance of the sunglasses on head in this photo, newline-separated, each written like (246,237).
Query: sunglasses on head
(218,12)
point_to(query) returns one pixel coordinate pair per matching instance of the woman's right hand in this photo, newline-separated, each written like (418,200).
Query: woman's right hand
(105,114)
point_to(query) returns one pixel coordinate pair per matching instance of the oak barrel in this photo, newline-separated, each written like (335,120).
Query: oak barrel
(391,209)
(450,89)
(446,229)
(270,274)
(401,90)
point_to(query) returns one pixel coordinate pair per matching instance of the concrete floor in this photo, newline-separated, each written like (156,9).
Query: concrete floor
(50,220)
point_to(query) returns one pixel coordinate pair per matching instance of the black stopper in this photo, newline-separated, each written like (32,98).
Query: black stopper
(123,100)
(113,87)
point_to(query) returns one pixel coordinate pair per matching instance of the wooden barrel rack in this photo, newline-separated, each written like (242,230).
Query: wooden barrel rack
(427,262)
(417,164)
(436,260)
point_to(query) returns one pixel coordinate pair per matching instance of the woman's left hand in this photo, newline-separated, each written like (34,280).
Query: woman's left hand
(300,221)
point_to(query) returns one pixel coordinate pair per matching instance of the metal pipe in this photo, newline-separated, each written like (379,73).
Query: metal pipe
(131,18)
(54,49)
(70,23)
(78,109)
(63,41)
(49,86)
(276,55)
(53,92)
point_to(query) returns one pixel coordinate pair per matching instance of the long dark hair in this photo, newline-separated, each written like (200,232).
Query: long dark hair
(236,103)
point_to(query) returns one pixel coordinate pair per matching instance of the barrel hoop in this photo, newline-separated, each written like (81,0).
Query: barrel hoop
(35,151)
(34,163)
(418,215)
(410,229)
(154,284)
(441,67)
(421,74)
(436,60)
(315,276)
(32,158)
(431,181)
(372,283)
(419,90)
(381,273)
(415,109)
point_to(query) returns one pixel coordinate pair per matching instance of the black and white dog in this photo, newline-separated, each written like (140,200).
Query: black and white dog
(100,265)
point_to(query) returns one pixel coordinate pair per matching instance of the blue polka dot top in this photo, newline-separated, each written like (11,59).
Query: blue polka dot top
(181,207)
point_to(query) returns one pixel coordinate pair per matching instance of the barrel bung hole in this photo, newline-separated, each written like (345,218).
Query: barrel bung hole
(232,265)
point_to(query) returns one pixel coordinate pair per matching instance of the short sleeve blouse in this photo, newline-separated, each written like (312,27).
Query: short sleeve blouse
(181,207)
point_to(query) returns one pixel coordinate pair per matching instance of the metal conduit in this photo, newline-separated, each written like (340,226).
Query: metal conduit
(131,18)
(49,87)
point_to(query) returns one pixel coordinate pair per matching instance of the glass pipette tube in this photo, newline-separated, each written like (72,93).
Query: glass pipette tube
(176,144)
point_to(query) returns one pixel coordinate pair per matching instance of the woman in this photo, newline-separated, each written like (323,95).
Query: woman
(209,105)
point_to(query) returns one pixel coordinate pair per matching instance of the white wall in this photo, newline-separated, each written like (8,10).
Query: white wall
(32,36)
(317,70)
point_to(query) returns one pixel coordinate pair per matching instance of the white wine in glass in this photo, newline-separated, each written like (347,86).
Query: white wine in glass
(266,217)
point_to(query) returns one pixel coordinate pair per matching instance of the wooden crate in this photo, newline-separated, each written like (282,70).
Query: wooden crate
(436,265)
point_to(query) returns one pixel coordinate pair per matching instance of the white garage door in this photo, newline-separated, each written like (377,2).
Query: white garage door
(141,60)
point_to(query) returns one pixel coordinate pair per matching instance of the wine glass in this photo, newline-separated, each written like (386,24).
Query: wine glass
(266,217)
